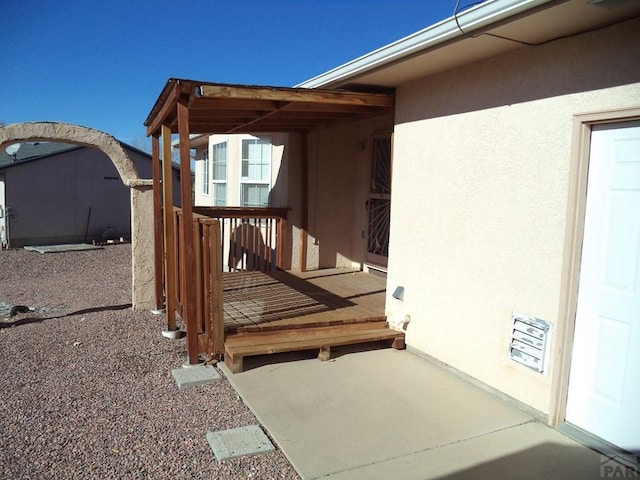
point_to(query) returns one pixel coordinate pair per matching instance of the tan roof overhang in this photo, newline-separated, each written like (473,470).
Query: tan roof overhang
(225,108)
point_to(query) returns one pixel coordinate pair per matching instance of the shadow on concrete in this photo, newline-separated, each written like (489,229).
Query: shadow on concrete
(547,460)
(274,359)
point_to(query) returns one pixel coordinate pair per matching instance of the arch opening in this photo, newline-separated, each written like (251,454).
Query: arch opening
(141,191)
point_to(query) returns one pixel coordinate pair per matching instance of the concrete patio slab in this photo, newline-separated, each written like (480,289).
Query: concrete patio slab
(391,414)
(198,375)
(62,248)
(525,452)
(239,442)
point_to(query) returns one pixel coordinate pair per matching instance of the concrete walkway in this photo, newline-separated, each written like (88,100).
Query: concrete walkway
(391,414)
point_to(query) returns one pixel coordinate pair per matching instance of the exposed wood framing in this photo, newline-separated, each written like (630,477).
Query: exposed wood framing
(221,108)
(189,107)
(294,95)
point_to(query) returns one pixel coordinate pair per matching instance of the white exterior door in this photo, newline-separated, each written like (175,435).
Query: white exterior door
(604,383)
(3,215)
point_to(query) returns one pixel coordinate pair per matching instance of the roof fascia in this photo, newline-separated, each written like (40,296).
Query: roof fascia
(44,156)
(478,17)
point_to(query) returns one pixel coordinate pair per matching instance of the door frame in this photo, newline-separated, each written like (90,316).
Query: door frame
(374,261)
(574,233)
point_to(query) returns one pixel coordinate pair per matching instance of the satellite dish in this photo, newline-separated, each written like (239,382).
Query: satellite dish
(12,149)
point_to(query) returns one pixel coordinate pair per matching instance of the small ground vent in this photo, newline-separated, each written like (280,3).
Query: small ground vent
(529,341)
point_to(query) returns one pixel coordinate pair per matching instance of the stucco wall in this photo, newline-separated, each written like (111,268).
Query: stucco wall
(339,170)
(480,189)
(62,197)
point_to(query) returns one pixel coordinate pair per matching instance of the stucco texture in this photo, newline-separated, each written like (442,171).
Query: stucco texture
(339,172)
(480,189)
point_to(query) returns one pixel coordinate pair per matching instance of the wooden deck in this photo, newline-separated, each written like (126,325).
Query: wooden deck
(282,312)
(257,301)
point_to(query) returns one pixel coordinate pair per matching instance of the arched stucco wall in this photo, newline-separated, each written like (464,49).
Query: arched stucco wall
(143,296)
(76,134)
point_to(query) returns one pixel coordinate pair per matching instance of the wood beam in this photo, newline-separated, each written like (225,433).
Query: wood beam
(160,119)
(169,240)
(187,276)
(206,103)
(258,119)
(296,95)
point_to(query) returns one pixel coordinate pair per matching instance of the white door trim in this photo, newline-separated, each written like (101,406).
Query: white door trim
(574,231)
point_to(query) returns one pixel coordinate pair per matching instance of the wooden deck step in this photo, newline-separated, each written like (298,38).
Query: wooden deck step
(243,345)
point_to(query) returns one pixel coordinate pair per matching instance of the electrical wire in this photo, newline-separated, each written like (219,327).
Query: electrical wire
(457,10)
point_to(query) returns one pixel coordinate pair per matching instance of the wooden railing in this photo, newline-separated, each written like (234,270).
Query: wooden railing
(208,297)
(252,238)
(249,239)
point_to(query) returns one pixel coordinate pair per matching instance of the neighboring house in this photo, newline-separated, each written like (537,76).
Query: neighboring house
(52,193)
(516,188)
(240,170)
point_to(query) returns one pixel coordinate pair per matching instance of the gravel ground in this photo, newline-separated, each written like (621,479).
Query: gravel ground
(86,386)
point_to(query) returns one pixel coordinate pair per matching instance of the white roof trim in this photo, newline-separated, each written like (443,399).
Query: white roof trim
(480,16)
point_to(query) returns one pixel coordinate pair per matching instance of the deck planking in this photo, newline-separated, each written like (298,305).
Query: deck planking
(258,301)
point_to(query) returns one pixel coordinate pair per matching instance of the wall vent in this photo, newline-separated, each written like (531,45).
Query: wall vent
(529,341)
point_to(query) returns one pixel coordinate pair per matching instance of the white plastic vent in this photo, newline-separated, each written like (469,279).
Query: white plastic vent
(529,341)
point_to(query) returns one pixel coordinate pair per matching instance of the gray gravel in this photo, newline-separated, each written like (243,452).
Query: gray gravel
(86,386)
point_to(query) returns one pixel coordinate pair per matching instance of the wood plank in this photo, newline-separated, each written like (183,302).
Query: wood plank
(297,95)
(305,339)
(259,338)
(308,342)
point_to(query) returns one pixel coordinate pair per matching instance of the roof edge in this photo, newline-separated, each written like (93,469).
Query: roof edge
(477,17)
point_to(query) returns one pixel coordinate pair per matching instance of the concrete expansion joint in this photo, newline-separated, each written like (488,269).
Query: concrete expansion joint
(436,447)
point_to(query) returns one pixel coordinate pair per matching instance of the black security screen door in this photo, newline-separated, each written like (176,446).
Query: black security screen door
(379,201)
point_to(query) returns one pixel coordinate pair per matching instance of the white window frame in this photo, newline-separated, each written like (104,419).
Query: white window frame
(246,181)
(205,173)
(217,182)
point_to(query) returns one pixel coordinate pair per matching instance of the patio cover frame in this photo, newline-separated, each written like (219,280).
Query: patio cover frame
(190,107)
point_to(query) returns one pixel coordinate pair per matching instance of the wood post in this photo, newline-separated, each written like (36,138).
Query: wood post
(169,241)
(217,301)
(158,248)
(188,278)
(304,203)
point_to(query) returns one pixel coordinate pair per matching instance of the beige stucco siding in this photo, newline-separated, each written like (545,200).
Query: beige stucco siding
(480,190)
(339,172)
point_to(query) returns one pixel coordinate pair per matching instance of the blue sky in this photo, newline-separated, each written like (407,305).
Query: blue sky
(102,64)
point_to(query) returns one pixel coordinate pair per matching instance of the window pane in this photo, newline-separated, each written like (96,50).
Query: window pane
(255,159)
(205,174)
(220,161)
(254,195)
(219,194)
